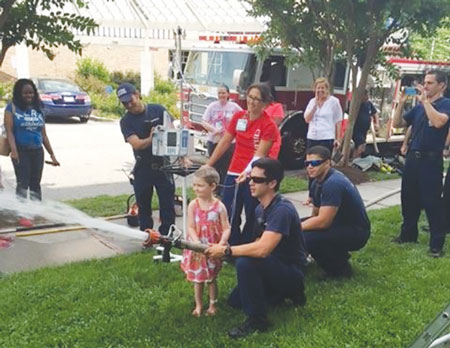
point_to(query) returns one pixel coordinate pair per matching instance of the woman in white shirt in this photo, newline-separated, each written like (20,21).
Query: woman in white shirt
(324,116)
(216,118)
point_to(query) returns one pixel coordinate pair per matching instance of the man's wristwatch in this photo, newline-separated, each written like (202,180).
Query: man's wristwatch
(228,251)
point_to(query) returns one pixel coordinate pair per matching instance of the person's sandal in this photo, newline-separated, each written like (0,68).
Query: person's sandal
(211,312)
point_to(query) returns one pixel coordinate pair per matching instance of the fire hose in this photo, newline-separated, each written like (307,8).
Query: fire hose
(154,237)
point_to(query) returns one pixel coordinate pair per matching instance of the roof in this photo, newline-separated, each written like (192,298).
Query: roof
(129,18)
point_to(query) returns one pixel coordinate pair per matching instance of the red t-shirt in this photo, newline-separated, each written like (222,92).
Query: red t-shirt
(275,110)
(247,140)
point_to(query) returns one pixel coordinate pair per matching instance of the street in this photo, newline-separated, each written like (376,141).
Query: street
(93,158)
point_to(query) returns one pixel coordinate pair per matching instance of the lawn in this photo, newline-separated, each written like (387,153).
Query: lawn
(129,301)
(105,205)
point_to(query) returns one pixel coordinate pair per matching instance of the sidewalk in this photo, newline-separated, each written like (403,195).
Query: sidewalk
(28,253)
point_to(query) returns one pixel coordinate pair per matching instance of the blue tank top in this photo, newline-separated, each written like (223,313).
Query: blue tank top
(28,126)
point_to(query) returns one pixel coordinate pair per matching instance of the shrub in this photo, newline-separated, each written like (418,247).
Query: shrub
(88,67)
(5,91)
(118,77)
(91,84)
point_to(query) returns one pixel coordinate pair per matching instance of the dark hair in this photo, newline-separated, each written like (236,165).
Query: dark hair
(263,90)
(440,76)
(272,169)
(273,93)
(319,150)
(222,85)
(17,94)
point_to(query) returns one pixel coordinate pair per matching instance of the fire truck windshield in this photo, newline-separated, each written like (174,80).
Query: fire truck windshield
(212,68)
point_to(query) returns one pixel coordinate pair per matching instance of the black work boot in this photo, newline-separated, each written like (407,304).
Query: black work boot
(250,325)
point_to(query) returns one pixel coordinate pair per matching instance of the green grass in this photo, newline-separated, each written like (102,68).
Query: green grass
(130,301)
(105,205)
(380,176)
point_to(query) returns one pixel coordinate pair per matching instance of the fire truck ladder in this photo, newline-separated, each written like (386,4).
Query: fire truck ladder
(431,337)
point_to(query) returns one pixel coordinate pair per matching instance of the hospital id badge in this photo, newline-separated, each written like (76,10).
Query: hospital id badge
(241,125)
(219,126)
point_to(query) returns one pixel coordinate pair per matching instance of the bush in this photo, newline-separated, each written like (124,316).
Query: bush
(118,77)
(5,91)
(91,84)
(88,67)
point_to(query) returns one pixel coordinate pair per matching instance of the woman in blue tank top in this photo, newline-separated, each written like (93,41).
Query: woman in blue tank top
(25,129)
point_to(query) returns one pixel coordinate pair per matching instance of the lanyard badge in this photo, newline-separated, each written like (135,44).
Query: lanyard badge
(241,125)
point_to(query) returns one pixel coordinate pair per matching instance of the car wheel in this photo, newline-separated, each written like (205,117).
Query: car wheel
(293,147)
(84,119)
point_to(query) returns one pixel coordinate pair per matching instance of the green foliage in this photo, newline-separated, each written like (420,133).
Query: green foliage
(93,77)
(42,25)
(5,91)
(118,77)
(435,47)
(130,301)
(89,67)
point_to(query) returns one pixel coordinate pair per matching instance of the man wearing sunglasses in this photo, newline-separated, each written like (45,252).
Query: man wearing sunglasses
(339,222)
(269,269)
(136,126)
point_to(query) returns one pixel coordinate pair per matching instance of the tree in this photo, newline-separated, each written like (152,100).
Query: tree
(354,29)
(42,25)
(436,48)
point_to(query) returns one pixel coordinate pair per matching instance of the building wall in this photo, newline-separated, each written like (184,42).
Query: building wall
(115,58)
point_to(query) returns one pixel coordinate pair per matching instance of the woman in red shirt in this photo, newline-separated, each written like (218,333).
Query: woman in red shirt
(255,132)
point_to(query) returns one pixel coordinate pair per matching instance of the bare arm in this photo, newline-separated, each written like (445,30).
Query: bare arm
(397,120)
(9,126)
(191,223)
(208,127)
(220,149)
(48,147)
(310,114)
(260,248)
(322,221)
(404,148)
(226,229)
(140,144)
(436,118)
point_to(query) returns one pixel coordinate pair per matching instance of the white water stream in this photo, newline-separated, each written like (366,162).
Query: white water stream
(57,212)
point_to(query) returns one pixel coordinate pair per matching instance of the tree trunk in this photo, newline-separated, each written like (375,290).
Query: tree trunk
(3,51)
(357,95)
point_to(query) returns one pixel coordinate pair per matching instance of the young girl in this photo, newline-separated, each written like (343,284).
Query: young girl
(207,223)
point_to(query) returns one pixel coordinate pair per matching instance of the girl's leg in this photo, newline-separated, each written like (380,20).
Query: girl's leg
(198,295)
(213,294)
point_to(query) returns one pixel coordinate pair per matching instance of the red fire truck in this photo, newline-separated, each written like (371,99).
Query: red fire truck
(238,66)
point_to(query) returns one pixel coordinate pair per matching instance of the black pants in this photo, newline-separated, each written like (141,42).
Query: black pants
(422,188)
(223,163)
(262,282)
(330,248)
(145,179)
(446,200)
(29,172)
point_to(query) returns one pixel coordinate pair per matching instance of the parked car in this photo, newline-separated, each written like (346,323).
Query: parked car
(63,99)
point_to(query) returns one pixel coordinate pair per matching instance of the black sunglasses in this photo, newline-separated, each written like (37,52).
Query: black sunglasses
(314,163)
(258,179)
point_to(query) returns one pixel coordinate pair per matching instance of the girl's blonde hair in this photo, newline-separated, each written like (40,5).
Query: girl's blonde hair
(209,174)
(321,80)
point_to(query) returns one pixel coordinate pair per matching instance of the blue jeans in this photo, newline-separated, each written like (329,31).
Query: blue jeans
(145,179)
(244,200)
(262,282)
(29,172)
(330,248)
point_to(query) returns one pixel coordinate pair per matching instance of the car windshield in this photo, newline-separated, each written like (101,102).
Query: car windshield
(58,86)
(214,68)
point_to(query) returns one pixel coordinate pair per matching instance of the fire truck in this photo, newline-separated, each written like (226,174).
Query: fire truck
(218,60)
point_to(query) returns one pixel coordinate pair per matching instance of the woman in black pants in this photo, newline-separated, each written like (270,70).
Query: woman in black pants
(25,129)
